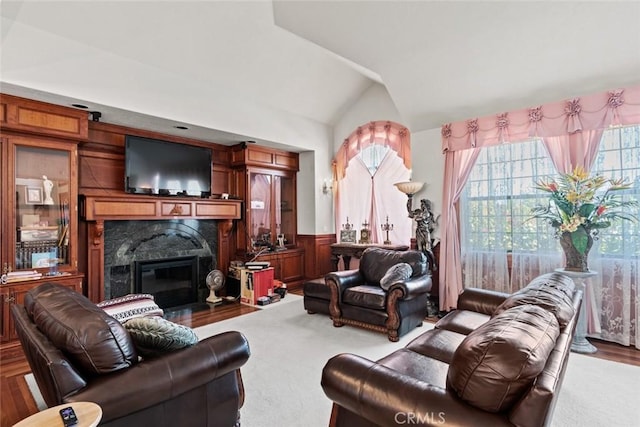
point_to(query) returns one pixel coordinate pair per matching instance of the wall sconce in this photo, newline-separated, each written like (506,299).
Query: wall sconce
(327,186)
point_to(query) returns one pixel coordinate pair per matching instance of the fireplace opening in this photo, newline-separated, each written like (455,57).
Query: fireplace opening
(172,281)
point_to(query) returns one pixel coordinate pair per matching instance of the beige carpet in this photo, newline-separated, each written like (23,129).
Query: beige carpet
(289,348)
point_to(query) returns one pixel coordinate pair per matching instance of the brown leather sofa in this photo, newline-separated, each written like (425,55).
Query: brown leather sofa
(77,352)
(357,297)
(498,360)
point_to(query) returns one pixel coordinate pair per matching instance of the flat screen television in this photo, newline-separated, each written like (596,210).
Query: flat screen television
(166,168)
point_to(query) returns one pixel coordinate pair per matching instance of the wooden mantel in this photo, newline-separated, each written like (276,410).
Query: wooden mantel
(94,210)
(133,207)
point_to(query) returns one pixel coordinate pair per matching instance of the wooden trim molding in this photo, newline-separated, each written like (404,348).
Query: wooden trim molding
(103,208)
(26,115)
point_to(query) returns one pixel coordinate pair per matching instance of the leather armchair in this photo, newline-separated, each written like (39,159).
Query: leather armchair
(200,385)
(358,299)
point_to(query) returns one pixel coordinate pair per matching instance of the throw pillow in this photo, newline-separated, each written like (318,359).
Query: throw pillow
(131,306)
(396,273)
(497,362)
(154,336)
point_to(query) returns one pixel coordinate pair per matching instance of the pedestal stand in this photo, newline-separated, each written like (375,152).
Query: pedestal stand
(580,343)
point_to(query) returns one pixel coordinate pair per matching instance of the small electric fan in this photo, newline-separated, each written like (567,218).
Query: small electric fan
(215,282)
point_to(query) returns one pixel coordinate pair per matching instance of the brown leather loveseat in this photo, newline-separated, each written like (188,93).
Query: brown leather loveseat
(498,360)
(77,352)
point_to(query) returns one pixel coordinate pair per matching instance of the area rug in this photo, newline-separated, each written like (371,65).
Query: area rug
(290,347)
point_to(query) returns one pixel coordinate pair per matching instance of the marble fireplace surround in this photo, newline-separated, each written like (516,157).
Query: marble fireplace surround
(126,242)
(156,227)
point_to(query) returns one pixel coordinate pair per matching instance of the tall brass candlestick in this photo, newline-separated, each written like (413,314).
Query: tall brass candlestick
(387,227)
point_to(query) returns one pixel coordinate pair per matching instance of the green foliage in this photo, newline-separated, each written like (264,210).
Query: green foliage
(580,205)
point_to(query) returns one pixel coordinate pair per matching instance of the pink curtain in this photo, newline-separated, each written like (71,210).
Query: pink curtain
(599,111)
(571,130)
(582,152)
(360,196)
(386,133)
(457,167)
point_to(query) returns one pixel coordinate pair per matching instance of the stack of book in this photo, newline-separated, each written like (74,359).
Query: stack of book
(20,276)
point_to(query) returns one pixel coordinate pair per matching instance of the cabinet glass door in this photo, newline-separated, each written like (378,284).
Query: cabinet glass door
(284,210)
(43,201)
(260,230)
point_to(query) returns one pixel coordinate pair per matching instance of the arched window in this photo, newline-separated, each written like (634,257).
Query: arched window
(370,161)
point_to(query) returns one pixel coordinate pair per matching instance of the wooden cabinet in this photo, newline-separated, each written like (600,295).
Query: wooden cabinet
(266,180)
(39,193)
(38,198)
(288,265)
(15,292)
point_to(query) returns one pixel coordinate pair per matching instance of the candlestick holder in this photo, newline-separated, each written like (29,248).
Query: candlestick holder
(387,227)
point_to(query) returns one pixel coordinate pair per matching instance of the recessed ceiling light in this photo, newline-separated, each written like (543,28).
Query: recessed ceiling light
(181,127)
(84,107)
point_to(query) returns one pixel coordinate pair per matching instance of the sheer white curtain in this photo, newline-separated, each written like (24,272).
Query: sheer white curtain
(484,229)
(616,252)
(496,206)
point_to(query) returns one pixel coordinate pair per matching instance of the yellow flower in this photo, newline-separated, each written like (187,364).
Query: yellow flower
(572,197)
(579,173)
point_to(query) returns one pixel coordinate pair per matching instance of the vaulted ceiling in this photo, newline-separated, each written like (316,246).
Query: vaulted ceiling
(240,70)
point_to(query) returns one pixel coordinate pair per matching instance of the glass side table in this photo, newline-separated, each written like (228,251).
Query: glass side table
(580,343)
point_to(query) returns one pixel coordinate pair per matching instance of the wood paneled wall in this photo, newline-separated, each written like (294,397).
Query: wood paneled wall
(317,253)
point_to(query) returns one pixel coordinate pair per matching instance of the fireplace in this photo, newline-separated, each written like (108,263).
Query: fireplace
(131,247)
(171,281)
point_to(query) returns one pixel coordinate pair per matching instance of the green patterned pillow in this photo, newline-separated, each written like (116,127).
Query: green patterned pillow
(155,336)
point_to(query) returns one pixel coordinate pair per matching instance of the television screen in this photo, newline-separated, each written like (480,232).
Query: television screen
(165,168)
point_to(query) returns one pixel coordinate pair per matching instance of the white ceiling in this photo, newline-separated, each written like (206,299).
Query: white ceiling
(230,70)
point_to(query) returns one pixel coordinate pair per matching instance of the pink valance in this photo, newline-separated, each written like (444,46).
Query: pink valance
(587,113)
(382,132)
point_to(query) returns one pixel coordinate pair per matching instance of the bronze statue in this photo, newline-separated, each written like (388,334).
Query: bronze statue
(425,224)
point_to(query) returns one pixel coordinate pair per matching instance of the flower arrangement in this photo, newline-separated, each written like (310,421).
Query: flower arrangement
(580,205)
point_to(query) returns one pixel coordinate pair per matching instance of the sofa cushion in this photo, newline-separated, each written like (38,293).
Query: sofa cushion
(396,273)
(497,363)
(438,344)
(317,288)
(154,336)
(552,291)
(96,342)
(130,306)
(462,321)
(365,296)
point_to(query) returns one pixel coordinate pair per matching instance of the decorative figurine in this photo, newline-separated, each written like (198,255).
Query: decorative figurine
(48,186)
(425,224)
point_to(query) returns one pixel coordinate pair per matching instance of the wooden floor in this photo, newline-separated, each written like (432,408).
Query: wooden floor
(16,402)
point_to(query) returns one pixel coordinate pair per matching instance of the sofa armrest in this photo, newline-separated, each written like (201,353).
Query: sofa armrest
(481,300)
(387,397)
(413,287)
(157,380)
(342,280)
